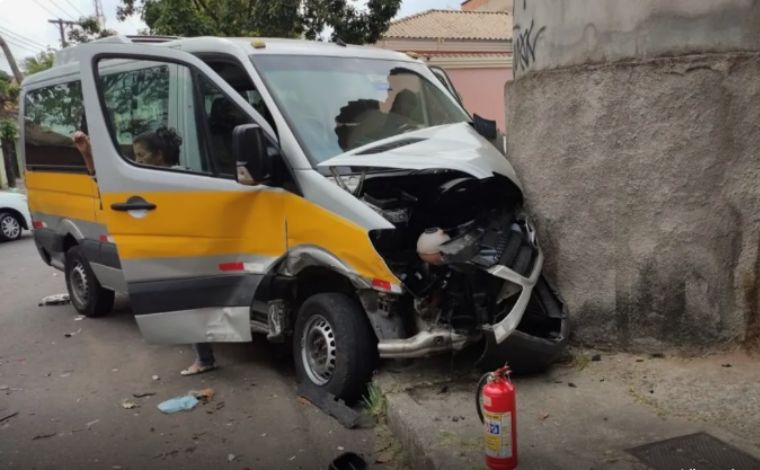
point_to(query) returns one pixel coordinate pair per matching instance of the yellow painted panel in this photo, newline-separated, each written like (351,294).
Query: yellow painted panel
(68,195)
(310,224)
(188,224)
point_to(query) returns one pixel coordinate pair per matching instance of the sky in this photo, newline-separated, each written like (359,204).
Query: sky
(24,25)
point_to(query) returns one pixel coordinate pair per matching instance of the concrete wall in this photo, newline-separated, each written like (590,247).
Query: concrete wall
(482,91)
(559,33)
(635,127)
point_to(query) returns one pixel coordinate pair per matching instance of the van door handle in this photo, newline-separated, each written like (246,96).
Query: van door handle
(134,203)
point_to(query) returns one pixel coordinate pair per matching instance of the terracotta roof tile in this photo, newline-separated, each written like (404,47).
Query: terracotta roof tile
(453,24)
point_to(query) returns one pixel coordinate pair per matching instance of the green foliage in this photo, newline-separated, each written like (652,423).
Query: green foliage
(87,30)
(284,18)
(9,91)
(7,130)
(374,401)
(42,61)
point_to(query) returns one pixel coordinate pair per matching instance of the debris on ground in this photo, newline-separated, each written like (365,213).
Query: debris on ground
(92,423)
(725,365)
(7,417)
(55,299)
(80,318)
(329,404)
(231,457)
(73,333)
(596,357)
(183,403)
(571,385)
(44,436)
(155,377)
(545,416)
(657,355)
(204,395)
(128,404)
(348,461)
(143,394)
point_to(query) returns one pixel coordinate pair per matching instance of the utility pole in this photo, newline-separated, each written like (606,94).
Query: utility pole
(61,27)
(11,60)
(99,14)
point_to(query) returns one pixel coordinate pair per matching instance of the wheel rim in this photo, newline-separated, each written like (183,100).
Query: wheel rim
(80,286)
(10,227)
(318,352)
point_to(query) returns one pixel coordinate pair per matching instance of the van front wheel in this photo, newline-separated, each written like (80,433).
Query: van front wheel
(333,345)
(86,294)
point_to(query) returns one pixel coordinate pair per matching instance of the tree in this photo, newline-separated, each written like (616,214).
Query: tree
(283,18)
(86,30)
(7,139)
(42,61)
(9,91)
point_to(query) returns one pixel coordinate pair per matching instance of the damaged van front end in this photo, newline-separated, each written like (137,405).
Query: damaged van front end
(461,245)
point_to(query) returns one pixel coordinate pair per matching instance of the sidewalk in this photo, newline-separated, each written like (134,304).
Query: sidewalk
(579,415)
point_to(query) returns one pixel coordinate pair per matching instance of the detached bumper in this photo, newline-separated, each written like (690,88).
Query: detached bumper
(501,330)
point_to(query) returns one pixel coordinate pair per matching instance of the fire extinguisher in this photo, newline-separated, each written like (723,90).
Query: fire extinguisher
(497,412)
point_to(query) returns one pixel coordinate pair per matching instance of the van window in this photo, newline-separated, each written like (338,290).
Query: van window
(51,116)
(223,116)
(150,109)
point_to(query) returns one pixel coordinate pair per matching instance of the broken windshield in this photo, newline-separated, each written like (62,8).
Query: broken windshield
(336,104)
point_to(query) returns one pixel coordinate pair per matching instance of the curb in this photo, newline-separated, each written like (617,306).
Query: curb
(409,438)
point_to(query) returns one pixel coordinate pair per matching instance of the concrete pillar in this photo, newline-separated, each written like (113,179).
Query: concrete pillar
(635,127)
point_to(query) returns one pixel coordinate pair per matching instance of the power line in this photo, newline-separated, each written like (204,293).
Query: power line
(75,8)
(42,5)
(60,8)
(22,46)
(19,37)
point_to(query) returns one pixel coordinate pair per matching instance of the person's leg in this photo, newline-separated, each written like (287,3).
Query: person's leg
(204,359)
(204,354)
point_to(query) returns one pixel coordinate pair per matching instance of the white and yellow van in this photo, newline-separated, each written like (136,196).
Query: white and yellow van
(336,195)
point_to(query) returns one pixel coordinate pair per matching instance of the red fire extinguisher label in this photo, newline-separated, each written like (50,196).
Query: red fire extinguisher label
(498,431)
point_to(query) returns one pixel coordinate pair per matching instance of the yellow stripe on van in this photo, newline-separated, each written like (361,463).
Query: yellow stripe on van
(190,224)
(69,195)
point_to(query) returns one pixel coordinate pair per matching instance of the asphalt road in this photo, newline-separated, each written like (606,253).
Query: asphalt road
(68,391)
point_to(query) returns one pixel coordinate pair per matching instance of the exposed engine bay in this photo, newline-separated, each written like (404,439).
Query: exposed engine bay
(453,235)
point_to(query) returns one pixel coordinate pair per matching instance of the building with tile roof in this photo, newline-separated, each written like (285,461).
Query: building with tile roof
(473,46)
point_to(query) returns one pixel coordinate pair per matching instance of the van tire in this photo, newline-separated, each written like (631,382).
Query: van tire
(10,227)
(333,327)
(87,295)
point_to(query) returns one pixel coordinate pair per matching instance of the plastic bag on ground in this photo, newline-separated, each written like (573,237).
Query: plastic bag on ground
(176,404)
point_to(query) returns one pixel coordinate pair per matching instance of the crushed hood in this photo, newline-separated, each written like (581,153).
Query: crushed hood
(450,147)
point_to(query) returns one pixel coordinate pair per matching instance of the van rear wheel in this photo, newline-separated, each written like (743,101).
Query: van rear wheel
(86,294)
(333,345)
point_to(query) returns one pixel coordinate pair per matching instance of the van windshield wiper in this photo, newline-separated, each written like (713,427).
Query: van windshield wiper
(390,145)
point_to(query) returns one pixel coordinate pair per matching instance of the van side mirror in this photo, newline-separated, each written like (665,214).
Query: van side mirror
(250,148)
(484,127)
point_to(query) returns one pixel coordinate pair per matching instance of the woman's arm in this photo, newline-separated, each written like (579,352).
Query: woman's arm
(82,143)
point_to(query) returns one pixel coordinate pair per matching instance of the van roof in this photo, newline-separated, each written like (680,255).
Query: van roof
(66,59)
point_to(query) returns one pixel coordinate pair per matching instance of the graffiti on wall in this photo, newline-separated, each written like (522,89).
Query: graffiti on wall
(524,42)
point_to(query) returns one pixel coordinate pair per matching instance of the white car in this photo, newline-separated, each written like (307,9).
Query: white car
(14,216)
